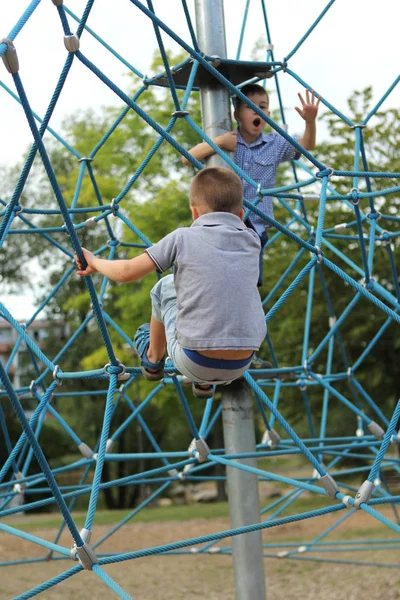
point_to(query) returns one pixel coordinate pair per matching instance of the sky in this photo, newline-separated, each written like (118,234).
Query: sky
(355,45)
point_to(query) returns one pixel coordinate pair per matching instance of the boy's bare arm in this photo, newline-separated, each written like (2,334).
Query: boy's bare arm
(309,111)
(122,271)
(226,141)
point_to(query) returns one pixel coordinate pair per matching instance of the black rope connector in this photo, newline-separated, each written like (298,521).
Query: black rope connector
(180,113)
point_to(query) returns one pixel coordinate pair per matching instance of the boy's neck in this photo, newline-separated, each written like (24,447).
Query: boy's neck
(248,137)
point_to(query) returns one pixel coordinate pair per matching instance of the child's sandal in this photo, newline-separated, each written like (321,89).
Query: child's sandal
(151,371)
(202,391)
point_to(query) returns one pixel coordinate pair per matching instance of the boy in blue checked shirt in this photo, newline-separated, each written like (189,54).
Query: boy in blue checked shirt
(258,154)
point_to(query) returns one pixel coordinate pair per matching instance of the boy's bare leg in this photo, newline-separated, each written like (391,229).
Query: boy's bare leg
(158,341)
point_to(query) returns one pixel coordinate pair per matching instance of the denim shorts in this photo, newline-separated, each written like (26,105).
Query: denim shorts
(192,365)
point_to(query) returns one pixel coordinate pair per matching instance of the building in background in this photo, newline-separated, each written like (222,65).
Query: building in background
(21,370)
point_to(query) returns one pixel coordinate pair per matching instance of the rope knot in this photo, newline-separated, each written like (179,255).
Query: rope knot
(374,216)
(324,173)
(355,199)
(119,370)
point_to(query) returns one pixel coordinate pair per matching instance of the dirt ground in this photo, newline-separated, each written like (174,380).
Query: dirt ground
(194,577)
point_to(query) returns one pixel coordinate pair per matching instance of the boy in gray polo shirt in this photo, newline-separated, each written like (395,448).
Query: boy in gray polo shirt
(208,314)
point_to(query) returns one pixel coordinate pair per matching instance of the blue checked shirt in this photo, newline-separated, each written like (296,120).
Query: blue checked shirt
(260,161)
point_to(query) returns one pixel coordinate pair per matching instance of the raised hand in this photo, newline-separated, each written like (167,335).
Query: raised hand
(309,106)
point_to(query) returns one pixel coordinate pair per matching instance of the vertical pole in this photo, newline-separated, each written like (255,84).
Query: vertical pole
(244,504)
(214,98)
(237,403)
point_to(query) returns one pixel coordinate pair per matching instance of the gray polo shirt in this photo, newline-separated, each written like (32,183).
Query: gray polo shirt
(216,263)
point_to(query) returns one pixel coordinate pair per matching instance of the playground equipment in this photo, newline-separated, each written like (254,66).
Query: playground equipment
(366,231)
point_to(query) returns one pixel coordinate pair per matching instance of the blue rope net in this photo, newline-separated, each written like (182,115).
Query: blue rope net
(370,444)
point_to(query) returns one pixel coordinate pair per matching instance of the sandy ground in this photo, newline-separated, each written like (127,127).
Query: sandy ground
(210,577)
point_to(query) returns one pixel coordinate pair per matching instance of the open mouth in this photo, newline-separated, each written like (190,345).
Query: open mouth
(256,122)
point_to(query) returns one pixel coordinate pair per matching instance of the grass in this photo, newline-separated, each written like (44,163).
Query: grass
(154,514)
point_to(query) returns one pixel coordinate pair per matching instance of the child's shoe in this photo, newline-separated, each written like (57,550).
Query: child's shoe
(202,391)
(150,370)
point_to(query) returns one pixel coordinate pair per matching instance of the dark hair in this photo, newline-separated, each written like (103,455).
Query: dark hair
(249,90)
(218,188)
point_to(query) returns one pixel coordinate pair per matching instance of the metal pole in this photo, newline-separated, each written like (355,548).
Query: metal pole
(244,504)
(215,108)
(237,403)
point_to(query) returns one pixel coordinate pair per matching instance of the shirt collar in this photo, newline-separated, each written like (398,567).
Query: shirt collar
(263,138)
(219,218)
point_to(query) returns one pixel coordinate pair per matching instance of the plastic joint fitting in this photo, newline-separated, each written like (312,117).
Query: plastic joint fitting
(200,447)
(10,58)
(364,493)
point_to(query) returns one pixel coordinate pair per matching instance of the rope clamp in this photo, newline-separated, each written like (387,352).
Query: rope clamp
(85,555)
(216,61)
(364,493)
(376,430)
(91,222)
(122,375)
(113,243)
(19,487)
(55,375)
(358,126)
(71,42)
(329,485)
(92,307)
(85,159)
(271,438)
(302,385)
(374,216)
(146,82)
(305,367)
(10,57)
(347,501)
(325,173)
(320,255)
(199,449)
(284,65)
(385,237)
(114,207)
(259,194)
(355,200)
(57,2)
(32,388)
(180,113)
(17,209)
